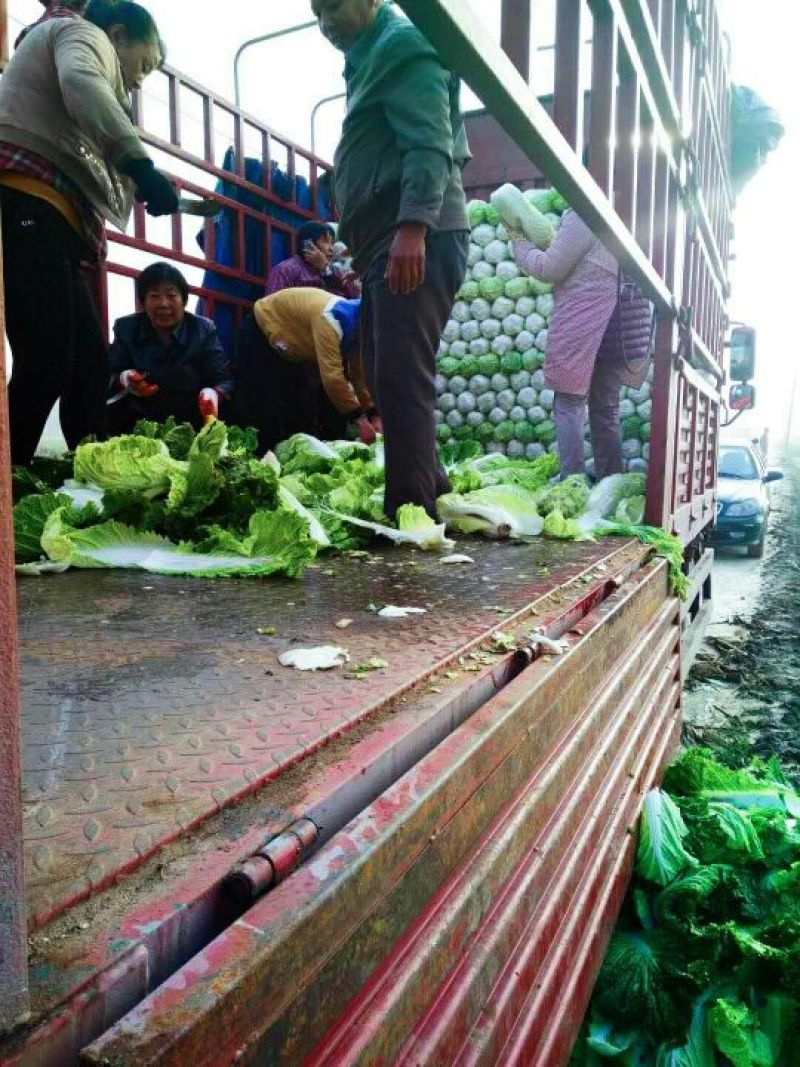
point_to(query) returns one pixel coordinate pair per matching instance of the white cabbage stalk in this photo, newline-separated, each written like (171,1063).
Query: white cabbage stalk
(429,537)
(321,658)
(508,270)
(391,611)
(316,529)
(502,344)
(479,347)
(496,252)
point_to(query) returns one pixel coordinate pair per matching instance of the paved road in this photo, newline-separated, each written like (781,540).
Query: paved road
(736,586)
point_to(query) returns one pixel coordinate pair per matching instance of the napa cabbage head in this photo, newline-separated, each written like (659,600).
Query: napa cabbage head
(495,510)
(414,527)
(563,529)
(129,464)
(30,516)
(698,774)
(494,469)
(661,855)
(569,497)
(306,454)
(610,492)
(642,982)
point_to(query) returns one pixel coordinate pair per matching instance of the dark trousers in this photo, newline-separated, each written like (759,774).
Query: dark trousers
(53,326)
(274,395)
(399,339)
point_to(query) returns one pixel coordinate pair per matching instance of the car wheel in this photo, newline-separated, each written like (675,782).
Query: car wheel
(757,551)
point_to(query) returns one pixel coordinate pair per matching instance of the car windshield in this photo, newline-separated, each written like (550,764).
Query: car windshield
(737,463)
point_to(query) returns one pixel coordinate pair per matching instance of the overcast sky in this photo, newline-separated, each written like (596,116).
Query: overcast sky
(283,80)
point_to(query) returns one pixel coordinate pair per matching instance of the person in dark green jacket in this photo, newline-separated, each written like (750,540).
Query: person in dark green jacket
(403,215)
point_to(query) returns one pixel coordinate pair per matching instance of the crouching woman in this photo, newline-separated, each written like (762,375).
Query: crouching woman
(164,360)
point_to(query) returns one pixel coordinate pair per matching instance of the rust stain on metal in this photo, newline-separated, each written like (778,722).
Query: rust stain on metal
(164,728)
(334,920)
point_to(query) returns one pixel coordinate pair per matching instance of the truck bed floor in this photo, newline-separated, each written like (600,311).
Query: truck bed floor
(151,703)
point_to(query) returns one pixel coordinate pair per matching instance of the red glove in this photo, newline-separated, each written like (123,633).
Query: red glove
(377,423)
(208,402)
(137,384)
(366,431)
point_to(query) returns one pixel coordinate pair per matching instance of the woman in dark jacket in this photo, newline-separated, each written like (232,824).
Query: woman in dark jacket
(164,360)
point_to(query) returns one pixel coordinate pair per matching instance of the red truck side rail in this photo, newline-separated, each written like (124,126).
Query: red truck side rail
(190,129)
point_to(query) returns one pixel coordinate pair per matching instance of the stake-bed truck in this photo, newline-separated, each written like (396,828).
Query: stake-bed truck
(220,861)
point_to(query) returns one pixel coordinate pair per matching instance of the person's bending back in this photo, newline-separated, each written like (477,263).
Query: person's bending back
(287,332)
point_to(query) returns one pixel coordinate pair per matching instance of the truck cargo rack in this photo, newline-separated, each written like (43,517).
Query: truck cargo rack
(657,129)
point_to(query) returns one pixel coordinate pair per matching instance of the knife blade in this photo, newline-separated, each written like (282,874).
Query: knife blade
(205,208)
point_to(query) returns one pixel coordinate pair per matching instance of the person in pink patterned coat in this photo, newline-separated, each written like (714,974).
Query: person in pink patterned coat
(584,361)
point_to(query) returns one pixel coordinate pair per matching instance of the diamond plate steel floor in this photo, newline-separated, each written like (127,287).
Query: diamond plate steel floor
(148,703)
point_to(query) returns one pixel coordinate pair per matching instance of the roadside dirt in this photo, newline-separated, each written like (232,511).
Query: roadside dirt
(743,695)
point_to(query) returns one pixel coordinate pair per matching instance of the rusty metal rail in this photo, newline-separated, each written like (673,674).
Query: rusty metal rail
(13,949)
(191,128)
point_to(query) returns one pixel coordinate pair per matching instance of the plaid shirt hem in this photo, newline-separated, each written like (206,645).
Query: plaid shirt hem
(22,161)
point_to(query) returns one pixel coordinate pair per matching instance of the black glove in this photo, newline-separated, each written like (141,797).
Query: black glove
(153,188)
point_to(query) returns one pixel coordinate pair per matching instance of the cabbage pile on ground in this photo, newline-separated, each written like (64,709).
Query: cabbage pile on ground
(703,969)
(168,500)
(490,382)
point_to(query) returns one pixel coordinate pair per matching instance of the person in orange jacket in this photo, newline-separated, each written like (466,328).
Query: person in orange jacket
(286,331)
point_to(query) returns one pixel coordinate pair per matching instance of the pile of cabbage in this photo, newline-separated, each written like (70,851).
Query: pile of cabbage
(168,500)
(490,383)
(703,969)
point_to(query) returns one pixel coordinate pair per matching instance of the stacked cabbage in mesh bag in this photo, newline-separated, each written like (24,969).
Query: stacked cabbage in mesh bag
(490,383)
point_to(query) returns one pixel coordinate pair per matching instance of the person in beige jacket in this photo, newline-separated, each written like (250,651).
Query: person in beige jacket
(70,160)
